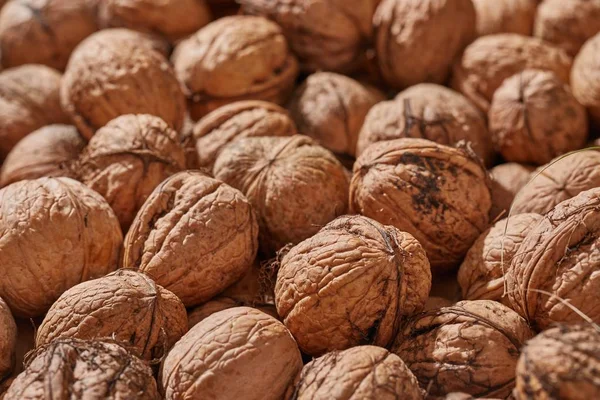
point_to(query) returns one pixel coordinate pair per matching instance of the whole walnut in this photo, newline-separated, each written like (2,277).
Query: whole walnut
(331,108)
(470,347)
(560,363)
(505,16)
(8,340)
(437,193)
(489,60)
(352,283)
(29,100)
(557,263)
(194,236)
(113,73)
(127,159)
(430,112)
(294,185)
(125,306)
(70,234)
(507,180)
(417,41)
(584,77)
(249,61)
(48,151)
(78,369)
(240,353)
(44,31)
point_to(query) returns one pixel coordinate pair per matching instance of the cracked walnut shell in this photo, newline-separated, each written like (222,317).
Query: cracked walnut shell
(505,16)
(585,79)
(8,340)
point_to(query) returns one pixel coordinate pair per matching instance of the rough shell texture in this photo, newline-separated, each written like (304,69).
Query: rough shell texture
(417,41)
(250,60)
(224,357)
(507,180)
(559,257)
(489,60)
(560,363)
(471,347)
(505,16)
(8,340)
(363,372)
(127,159)
(29,99)
(70,233)
(585,77)
(430,112)
(331,108)
(125,306)
(437,193)
(44,31)
(49,151)
(534,118)
(352,283)
(294,185)
(235,121)
(481,275)
(194,236)
(72,368)
(112,73)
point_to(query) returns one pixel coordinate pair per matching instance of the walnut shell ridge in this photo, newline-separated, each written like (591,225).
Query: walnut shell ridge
(584,77)
(8,340)
(505,16)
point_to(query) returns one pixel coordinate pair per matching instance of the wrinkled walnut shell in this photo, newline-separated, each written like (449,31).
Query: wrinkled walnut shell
(585,79)
(505,16)
(8,340)
(507,180)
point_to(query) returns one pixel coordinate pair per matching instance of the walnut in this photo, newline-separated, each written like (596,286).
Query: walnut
(8,340)
(505,16)
(584,77)
(435,302)
(507,180)
(250,60)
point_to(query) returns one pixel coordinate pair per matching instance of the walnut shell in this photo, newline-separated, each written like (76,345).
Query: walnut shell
(250,60)
(127,159)
(240,353)
(507,180)
(221,303)
(49,151)
(294,185)
(489,60)
(505,16)
(71,236)
(125,306)
(113,73)
(558,256)
(471,347)
(194,236)
(78,369)
(437,193)
(584,77)
(8,340)
(430,112)
(417,41)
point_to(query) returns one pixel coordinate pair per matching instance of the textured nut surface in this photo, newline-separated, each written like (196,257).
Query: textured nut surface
(352,283)
(70,235)
(505,16)
(112,73)
(127,159)
(224,357)
(417,41)
(73,368)
(294,185)
(124,306)
(194,236)
(234,58)
(507,180)
(489,60)
(585,79)
(471,347)
(438,194)
(8,340)
(430,112)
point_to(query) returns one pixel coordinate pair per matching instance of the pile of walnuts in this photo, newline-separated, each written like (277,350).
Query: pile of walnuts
(299,199)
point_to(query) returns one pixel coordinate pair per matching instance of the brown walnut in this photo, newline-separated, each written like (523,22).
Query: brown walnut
(505,16)
(8,340)
(585,77)
(507,180)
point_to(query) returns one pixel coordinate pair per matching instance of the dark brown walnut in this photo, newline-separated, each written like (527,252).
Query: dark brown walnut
(560,363)
(471,347)
(70,234)
(113,73)
(44,31)
(489,60)
(417,41)
(242,119)
(294,185)
(331,108)
(557,263)
(78,369)
(195,236)
(125,306)
(430,112)
(232,59)
(505,16)
(507,180)
(240,353)
(127,159)
(585,78)
(438,194)
(48,151)
(29,99)
(8,340)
